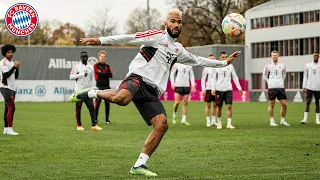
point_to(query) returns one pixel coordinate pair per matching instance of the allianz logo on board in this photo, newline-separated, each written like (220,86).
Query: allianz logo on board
(40,90)
(62,63)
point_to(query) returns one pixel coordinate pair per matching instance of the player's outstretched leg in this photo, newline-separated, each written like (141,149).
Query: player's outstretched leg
(81,94)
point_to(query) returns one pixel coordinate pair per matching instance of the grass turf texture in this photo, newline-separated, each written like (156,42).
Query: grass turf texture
(50,147)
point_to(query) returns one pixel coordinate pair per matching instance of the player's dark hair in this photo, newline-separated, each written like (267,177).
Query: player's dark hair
(223,52)
(84,52)
(211,54)
(315,52)
(7,47)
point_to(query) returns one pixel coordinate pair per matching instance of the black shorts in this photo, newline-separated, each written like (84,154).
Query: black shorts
(278,93)
(182,90)
(144,96)
(311,93)
(223,96)
(209,97)
(8,94)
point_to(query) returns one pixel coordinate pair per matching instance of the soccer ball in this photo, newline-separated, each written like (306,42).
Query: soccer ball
(234,25)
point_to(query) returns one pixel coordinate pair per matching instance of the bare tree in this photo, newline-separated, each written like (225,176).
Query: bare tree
(138,20)
(101,24)
(202,20)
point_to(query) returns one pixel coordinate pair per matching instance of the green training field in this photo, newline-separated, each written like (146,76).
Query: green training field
(50,147)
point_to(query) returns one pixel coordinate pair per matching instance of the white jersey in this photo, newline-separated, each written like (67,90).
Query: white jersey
(206,78)
(275,74)
(222,79)
(311,76)
(158,53)
(181,74)
(78,73)
(8,74)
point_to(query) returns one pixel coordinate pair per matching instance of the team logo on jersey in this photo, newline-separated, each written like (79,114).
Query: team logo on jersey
(21,19)
(177,49)
(166,45)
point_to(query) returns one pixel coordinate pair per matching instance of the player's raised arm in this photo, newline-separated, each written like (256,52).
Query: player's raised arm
(147,37)
(186,57)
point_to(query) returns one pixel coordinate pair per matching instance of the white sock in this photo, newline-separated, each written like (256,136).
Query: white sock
(219,120)
(213,120)
(283,119)
(184,118)
(229,121)
(317,116)
(143,158)
(208,118)
(5,128)
(305,115)
(271,120)
(93,93)
(174,114)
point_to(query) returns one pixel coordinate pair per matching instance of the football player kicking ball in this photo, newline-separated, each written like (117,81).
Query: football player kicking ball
(147,78)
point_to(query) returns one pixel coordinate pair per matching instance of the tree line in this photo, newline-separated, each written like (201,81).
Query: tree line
(201,24)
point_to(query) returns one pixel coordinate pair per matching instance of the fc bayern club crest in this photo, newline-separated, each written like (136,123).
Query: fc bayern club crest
(21,19)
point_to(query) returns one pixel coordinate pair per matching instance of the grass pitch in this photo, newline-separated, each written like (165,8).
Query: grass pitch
(50,147)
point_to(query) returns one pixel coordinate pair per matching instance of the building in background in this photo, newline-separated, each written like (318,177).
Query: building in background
(290,26)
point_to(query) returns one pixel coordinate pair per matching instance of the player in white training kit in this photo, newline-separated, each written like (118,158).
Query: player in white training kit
(222,89)
(83,74)
(147,78)
(275,74)
(206,80)
(311,86)
(180,76)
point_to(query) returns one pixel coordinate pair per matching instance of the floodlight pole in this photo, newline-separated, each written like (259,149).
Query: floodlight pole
(148,15)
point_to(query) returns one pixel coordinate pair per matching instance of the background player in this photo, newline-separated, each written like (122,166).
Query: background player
(311,86)
(275,74)
(9,72)
(180,76)
(206,80)
(83,74)
(222,89)
(102,74)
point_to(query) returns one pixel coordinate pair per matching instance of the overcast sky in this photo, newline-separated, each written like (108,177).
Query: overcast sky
(78,12)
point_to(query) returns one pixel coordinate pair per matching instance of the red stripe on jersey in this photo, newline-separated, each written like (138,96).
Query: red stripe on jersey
(148,33)
(73,68)
(144,55)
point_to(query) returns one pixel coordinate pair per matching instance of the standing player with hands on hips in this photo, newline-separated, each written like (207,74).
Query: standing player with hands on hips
(147,78)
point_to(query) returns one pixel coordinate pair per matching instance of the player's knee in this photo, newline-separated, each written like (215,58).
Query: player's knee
(162,125)
(208,105)
(185,103)
(229,106)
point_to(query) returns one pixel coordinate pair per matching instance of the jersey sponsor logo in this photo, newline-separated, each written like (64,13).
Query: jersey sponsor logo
(224,73)
(276,72)
(314,71)
(21,19)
